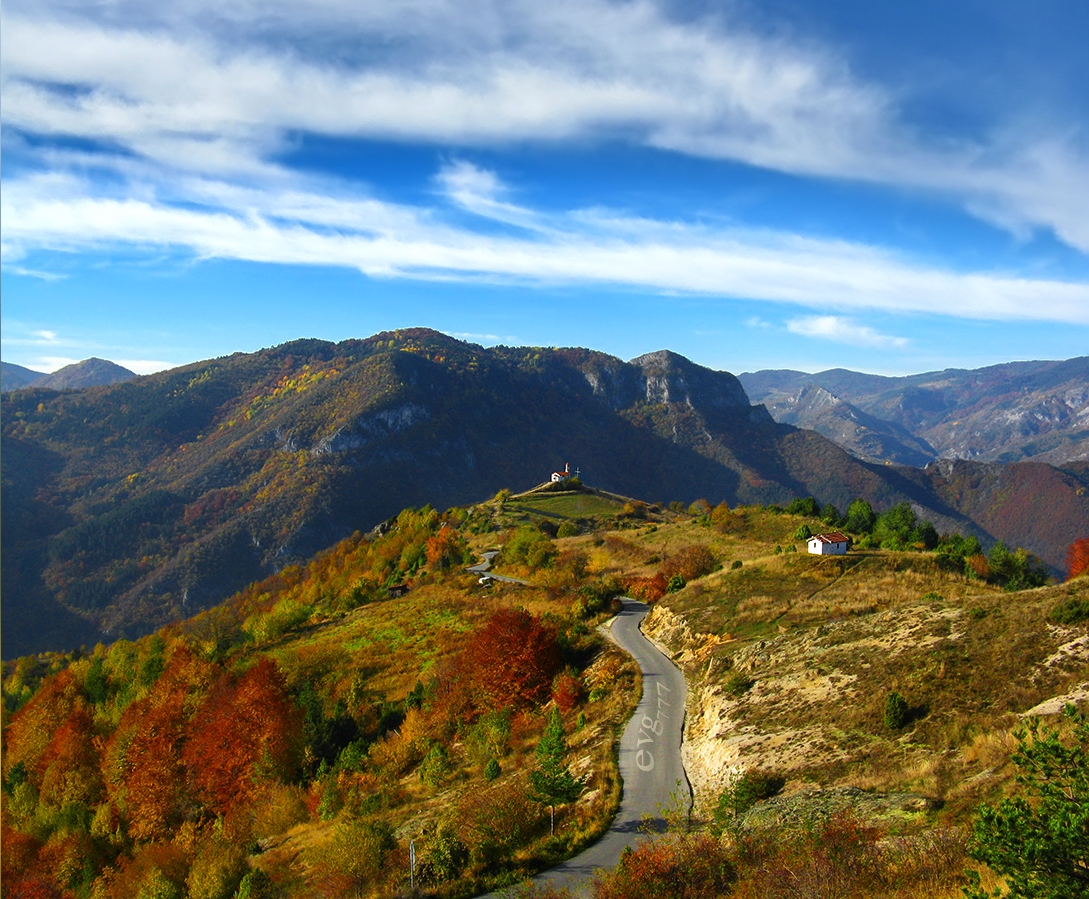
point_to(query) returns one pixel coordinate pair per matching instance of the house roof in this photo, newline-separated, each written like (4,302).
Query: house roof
(834,537)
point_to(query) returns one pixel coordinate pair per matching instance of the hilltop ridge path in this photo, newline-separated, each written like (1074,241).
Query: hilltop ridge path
(650,759)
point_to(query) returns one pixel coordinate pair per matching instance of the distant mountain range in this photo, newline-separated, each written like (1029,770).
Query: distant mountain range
(91,372)
(1003,413)
(130,505)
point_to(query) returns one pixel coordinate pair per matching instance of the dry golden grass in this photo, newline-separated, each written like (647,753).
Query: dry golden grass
(826,639)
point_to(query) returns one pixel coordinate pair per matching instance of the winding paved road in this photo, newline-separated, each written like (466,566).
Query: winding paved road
(485,567)
(650,757)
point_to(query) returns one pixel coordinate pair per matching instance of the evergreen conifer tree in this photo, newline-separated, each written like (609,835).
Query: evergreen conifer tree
(552,781)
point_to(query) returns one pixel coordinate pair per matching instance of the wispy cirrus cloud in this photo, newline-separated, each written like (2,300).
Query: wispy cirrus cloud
(482,193)
(36,337)
(843,330)
(584,247)
(218,89)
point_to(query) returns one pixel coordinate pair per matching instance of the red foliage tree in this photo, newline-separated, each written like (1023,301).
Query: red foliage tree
(19,855)
(143,769)
(70,764)
(688,866)
(31,887)
(567,691)
(145,773)
(33,727)
(1077,559)
(690,562)
(511,661)
(648,589)
(246,731)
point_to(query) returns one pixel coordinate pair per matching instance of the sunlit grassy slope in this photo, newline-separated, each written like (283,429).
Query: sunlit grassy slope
(790,659)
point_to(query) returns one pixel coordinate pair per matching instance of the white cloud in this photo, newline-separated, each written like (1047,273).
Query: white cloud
(217,88)
(33,273)
(481,192)
(35,337)
(843,330)
(144,366)
(579,247)
(482,338)
(50,364)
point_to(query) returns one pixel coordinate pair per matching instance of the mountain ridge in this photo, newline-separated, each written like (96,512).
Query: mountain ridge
(91,372)
(130,505)
(1001,413)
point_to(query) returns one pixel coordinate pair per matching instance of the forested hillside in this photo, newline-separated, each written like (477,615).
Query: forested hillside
(295,740)
(135,504)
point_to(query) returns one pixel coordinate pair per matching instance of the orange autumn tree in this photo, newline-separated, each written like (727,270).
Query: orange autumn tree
(144,770)
(70,764)
(246,731)
(444,549)
(1077,559)
(34,726)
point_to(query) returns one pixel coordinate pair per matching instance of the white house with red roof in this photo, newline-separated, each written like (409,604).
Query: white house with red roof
(834,544)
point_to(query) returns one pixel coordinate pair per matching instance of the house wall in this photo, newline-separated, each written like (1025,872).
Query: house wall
(817,548)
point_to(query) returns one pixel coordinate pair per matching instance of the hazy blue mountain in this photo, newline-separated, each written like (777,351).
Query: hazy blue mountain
(1004,413)
(13,376)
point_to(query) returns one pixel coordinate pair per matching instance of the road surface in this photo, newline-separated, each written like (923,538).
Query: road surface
(650,758)
(486,565)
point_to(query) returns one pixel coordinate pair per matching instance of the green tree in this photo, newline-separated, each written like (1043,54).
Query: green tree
(893,529)
(804,506)
(552,781)
(896,711)
(1039,842)
(1016,569)
(860,517)
(926,535)
(740,795)
(435,767)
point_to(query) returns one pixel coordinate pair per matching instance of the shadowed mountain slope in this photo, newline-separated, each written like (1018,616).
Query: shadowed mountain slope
(133,504)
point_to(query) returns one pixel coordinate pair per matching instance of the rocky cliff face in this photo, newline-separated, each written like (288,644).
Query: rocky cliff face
(864,435)
(805,702)
(669,378)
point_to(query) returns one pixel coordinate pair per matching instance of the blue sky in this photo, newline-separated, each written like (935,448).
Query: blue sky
(892,188)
